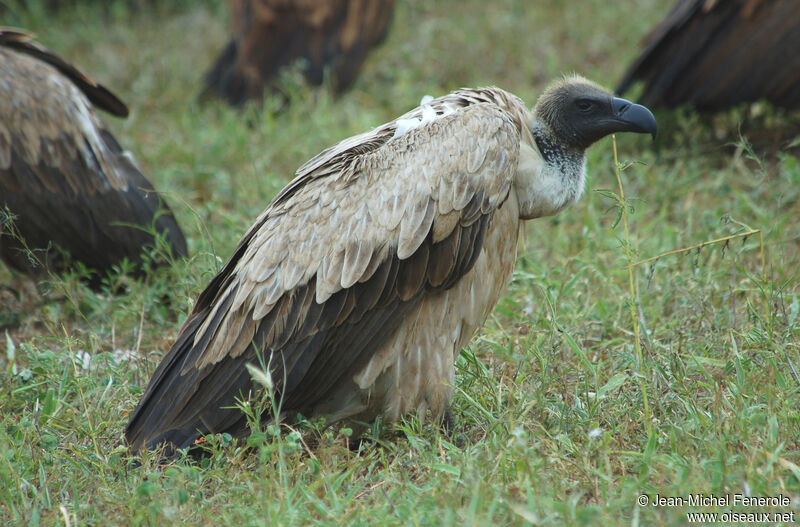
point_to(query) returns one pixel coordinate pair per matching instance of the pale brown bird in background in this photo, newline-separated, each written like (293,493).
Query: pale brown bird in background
(714,54)
(69,187)
(369,272)
(329,35)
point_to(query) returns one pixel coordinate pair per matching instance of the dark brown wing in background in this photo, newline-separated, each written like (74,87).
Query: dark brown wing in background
(714,54)
(333,35)
(66,181)
(97,93)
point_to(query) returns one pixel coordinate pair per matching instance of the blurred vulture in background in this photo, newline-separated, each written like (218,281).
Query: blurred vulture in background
(330,35)
(713,54)
(68,192)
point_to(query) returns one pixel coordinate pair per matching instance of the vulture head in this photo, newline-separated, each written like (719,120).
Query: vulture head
(571,115)
(578,113)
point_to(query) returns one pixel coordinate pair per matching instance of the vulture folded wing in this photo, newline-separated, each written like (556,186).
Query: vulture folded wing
(98,94)
(63,176)
(330,269)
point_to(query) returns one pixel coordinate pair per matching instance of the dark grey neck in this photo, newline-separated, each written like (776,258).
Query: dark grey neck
(556,154)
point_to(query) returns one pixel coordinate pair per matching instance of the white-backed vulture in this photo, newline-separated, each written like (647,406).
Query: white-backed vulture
(713,54)
(366,275)
(329,35)
(68,184)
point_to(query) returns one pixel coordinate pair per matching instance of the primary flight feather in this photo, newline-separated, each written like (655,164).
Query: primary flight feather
(369,271)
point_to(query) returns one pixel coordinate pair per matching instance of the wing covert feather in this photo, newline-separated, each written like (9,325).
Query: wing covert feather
(354,189)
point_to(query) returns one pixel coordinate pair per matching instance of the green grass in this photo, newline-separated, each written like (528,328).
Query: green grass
(549,402)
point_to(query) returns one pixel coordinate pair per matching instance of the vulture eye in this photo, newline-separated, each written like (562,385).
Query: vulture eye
(584,105)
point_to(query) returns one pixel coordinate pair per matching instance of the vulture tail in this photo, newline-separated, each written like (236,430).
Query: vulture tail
(177,410)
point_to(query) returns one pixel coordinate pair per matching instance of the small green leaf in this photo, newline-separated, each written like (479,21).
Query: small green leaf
(49,441)
(612,385)
(581,354)
(256,439)
(444,467)
(183,496)
(147,489)
(11,348)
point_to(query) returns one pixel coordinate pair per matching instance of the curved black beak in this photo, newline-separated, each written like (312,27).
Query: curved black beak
(634,117)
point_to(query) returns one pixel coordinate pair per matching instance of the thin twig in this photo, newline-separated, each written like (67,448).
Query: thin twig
(65,514)
(86,412)
(141,319)
(750,231)
(648,344)
(734,276)
(632,286)
(763,272)
(370,489)
(791,367)
(699,246)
